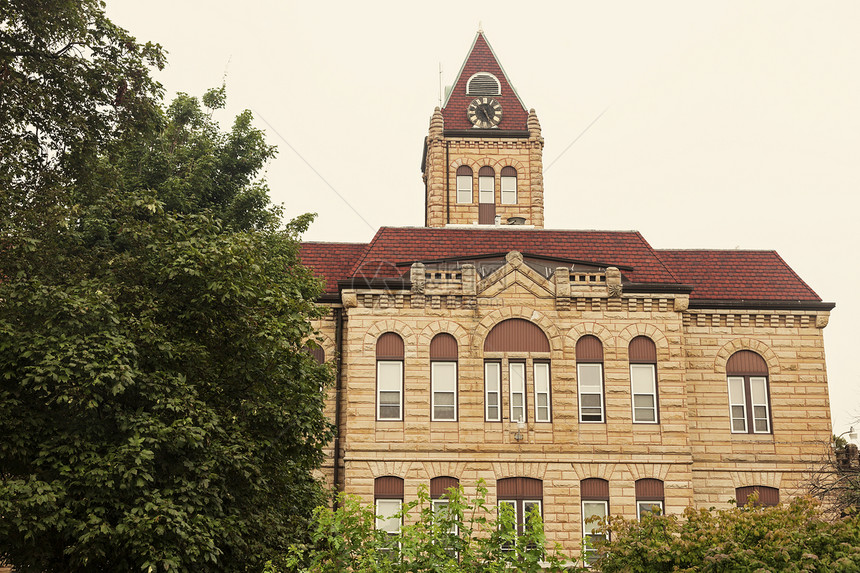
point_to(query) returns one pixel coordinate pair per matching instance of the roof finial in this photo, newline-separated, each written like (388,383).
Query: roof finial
(480,27)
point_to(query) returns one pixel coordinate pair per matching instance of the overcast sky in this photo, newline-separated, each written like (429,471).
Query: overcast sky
(730,124)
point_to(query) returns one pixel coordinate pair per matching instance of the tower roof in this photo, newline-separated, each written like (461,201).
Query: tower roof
(481,58)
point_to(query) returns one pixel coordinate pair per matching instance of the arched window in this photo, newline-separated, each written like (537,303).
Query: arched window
(649,496)
(443,377)
(589,375)
(464,184)
(389,377)
(526,339)
(483,83)
(486,195)
(523,495)
(594,494)
(643,379)
(439,487)
(509,186)
(767,496)
(388,496)
(749,395)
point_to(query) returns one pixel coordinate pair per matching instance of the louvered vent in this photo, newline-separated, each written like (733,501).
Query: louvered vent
(483,84)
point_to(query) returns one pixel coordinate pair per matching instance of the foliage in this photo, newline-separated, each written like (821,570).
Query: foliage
(156,407)
(836,482)
(789,537)
(468,537)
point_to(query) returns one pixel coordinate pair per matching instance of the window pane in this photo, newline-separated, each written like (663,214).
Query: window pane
(736,390)
(386,509)
(491,375)
(518,376)
(464,189)
(592,509)
(486,186)
(541,377)
(642,378)
(644,415)
(644,507)
(492,412)
(389,375)
(444,412)
(509,190)
(444,376)
(589,377)
(758,389)
(761,425)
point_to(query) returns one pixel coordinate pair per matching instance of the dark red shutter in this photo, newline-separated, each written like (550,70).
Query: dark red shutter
(516,335)
(642,350)
(767,496)
(649,490)
(389,346)
(443,347)
(439,486)
(594,489)
(388,487)
(589,349)
(746,362)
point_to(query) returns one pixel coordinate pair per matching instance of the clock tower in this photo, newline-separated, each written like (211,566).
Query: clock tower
(483,156)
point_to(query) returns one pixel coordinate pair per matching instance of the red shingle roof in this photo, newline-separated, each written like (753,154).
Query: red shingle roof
(482,59)
(737,275)
(714,275)
(331,261)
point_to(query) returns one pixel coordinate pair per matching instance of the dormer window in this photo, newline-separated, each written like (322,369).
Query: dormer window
(483,84)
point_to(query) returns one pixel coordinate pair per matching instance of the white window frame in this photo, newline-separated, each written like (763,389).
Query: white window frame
(487,189)
(509,190)
(441,504)
(587,528)
(496,367)
(517,388)
(543,388)
(386,515)
(385,385)
(738,398)
(579,380)
(652,392)
(437,367)
(644,506)
(464,188)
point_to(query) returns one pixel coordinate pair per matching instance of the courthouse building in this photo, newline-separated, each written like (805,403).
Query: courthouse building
(579,372)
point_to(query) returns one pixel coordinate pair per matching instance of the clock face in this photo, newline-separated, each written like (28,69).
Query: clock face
(484,112)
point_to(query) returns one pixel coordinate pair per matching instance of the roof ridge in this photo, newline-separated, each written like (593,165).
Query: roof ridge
(358,262)
(658,257)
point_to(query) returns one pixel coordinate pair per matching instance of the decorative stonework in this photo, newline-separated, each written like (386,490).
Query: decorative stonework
(756,346)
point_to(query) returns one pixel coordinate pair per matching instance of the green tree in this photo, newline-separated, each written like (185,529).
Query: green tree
(468,537)
(156,407)
(790,537)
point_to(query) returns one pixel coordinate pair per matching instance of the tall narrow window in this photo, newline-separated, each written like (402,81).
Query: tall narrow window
(649,496)
(528,371)
(509,185)
(517,378)
(542,392)
(486,195)
(439,489)
(443,377)
(523,496)
(589,374)
(464,184)
(492,390)
(388,495)
(643,379)
(594,493)
(749,397)
(389,377)
(767,496)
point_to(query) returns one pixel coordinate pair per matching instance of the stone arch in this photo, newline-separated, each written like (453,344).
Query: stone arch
(452,168)
(536,470)
(389,468)
(434,328)
(429,470)
(745,479)
(622,340)
(593,328)
(509,162)
(760,348)
(495,317)
(646,471)
(390,325)
(587,470)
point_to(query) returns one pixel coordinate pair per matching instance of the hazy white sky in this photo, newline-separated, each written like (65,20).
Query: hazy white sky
(730,124)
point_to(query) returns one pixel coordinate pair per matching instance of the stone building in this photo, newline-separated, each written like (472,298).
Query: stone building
(582,372)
